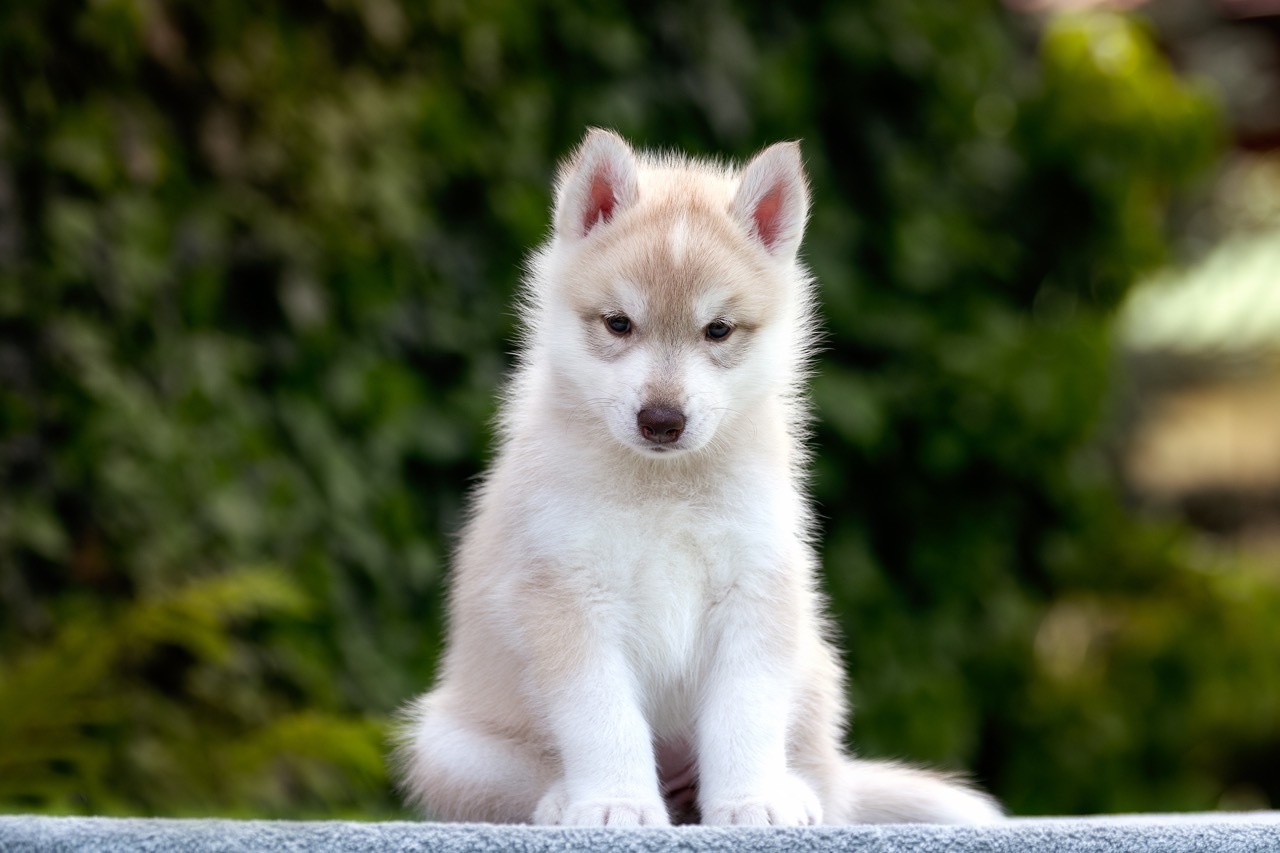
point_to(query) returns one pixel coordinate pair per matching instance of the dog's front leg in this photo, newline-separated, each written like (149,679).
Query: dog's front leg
(605,746)
(742,728)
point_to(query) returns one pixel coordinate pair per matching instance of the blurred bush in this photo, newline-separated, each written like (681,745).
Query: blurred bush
(255,272)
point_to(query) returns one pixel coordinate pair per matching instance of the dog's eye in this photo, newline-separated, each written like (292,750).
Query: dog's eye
(718,330)
(619,324)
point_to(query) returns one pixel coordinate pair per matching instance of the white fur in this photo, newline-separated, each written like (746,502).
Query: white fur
(635,632)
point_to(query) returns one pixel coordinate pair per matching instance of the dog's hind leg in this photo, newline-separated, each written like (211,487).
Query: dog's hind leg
(456,769)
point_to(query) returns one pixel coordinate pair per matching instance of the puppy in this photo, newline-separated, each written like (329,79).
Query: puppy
(636,636)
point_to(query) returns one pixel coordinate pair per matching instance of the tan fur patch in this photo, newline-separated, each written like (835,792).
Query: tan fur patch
(557,630)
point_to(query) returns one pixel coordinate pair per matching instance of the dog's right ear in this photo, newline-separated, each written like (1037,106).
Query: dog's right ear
(597,183)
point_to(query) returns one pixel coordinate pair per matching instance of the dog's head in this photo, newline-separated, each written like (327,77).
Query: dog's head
(673,304)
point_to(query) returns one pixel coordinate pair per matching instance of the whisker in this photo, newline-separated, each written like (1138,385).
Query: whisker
(593,401)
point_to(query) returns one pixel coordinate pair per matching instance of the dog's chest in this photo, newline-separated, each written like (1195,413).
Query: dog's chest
(655,573)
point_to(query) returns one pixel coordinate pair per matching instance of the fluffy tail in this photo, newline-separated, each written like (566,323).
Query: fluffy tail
(887,792)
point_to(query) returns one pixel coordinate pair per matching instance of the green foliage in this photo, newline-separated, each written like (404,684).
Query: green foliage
(157,703)
(255,269)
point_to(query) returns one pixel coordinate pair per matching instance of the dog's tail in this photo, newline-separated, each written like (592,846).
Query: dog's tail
(888,792)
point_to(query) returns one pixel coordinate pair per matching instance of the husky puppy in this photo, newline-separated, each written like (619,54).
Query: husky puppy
(636,636)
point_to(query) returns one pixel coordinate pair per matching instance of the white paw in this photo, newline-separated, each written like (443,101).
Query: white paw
(616,812)
(790,803)
(556,808)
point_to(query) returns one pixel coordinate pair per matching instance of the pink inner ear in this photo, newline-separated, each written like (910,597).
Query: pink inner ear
(600,203)
(768,216)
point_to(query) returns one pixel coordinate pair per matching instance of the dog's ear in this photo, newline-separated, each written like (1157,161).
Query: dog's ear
(597,183)
(772,200)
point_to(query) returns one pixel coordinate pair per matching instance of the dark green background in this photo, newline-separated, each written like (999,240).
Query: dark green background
(256,263)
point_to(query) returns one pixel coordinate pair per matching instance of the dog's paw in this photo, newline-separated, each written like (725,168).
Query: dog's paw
(556,808)
(616,812)
(790,803)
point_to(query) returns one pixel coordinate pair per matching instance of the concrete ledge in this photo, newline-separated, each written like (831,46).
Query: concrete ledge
(1219,832)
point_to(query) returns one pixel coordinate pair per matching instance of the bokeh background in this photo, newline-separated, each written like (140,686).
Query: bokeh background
(256,263)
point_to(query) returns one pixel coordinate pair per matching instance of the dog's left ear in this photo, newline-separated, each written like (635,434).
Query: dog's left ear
(772,200)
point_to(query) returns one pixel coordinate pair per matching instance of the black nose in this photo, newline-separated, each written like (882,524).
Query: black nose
(660,424)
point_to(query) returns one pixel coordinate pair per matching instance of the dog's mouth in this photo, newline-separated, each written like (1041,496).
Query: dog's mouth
(670,448)
(650,449)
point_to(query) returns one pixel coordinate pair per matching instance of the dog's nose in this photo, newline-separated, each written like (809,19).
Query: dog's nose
(660,424)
